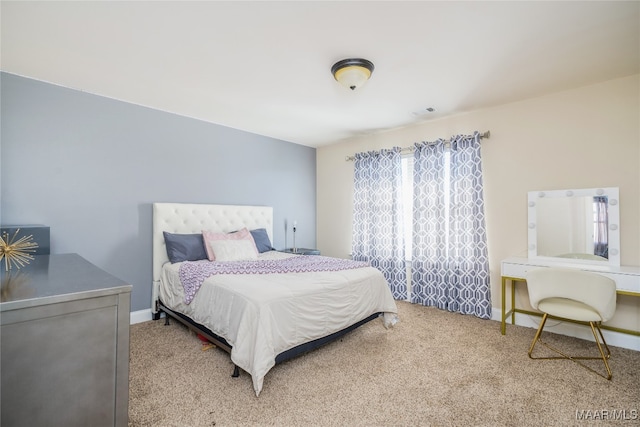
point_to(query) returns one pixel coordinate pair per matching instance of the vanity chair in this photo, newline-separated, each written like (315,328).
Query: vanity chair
(577,296)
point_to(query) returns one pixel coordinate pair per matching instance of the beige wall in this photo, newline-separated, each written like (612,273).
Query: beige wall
(582,138)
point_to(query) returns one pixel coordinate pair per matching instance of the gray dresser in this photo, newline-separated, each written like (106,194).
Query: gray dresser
(64,344)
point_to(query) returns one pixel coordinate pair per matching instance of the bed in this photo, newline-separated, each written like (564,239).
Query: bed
(260,317)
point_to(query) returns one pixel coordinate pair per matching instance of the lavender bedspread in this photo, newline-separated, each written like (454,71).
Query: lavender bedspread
(194,273)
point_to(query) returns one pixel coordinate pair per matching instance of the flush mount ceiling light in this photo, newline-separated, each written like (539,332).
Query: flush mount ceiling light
(352,72)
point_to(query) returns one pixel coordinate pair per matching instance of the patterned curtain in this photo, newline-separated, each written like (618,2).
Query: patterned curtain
(429,263)
(450,265)
(600,225)
(378,235)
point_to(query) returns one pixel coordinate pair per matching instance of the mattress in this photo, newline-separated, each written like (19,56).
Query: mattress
(263,315)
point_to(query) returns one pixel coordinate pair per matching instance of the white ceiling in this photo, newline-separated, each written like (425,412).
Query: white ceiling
(264,66)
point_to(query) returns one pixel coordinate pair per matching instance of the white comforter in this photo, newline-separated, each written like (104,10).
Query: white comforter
(263,315)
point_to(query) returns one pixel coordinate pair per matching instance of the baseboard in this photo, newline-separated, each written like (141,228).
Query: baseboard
(140,316)
(617,339)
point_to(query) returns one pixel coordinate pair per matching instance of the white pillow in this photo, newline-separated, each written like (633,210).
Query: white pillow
(233,250)
(210,236)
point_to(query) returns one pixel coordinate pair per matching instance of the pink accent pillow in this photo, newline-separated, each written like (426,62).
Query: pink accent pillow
(211,236)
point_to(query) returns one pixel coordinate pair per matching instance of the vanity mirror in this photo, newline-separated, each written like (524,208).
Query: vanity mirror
(576,226)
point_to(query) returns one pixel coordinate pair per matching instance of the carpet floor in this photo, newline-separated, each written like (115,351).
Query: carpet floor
(434,368)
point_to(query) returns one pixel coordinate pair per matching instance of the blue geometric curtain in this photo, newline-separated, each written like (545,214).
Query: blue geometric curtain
(450,264)
(378,233)
(600,227)
(429,260)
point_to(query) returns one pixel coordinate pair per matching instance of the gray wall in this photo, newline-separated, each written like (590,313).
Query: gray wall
(90,167)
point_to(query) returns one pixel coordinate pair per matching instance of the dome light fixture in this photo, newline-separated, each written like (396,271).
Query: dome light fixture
(352,72)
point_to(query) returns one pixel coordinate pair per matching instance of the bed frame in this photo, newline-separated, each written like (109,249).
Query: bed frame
(193,218)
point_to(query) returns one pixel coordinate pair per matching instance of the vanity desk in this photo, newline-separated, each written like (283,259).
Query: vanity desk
(514,270)
(577,228)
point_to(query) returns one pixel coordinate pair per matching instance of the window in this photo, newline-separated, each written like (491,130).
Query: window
(407,200)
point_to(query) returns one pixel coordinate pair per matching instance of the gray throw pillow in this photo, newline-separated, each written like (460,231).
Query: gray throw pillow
(184,247)
(260,236)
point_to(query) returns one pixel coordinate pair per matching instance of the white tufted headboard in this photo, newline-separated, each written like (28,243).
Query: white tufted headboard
(193,218)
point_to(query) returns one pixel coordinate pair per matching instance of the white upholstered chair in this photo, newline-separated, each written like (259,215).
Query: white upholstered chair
(577,296)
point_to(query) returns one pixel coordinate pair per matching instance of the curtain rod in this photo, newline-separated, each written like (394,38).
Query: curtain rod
(483,135)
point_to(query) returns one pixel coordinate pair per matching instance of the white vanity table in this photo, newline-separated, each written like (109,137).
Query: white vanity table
(565,229)
(514,270)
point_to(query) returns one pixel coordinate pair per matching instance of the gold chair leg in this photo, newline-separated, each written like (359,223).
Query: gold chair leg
(595,326)
(538,333)
(603,356)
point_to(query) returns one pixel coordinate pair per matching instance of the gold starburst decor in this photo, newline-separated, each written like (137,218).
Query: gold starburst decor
(16,252)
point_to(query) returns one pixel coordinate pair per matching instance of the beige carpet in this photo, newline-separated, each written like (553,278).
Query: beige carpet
(433,369)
